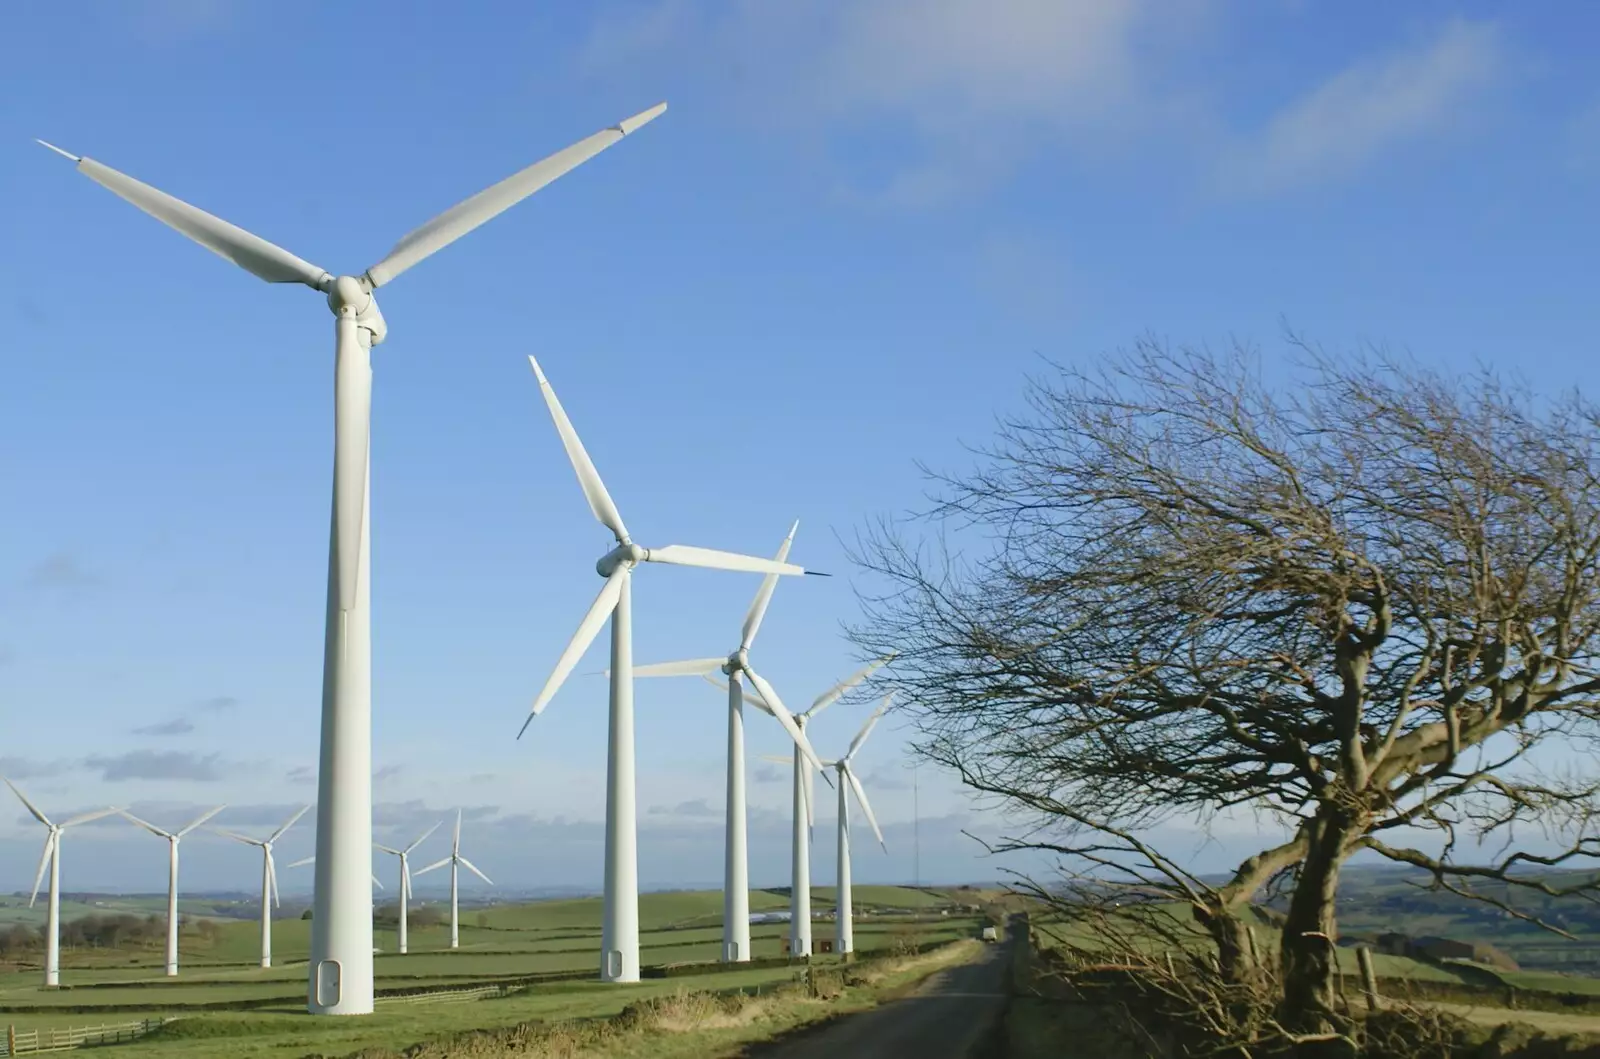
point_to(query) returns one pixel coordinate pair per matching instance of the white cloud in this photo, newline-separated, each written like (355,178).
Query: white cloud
(959,88)
(1371,106)
(913,104)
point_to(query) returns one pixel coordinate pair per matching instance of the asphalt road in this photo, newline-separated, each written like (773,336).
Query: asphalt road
(946,1018)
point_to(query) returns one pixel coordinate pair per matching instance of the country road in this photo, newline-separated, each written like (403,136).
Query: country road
(946,1018)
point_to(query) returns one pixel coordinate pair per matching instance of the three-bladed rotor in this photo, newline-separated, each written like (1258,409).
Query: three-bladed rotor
(359,324)
(265,845)
(53,838)
(737,664)
(618,564)
(455,856)
(405,857)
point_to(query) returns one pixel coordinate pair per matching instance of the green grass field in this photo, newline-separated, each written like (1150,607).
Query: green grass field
(498,943)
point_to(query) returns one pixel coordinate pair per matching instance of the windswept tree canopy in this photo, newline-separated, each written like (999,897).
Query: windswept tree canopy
(1169,590)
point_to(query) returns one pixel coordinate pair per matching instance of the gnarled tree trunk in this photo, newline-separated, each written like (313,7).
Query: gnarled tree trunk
(1310,931)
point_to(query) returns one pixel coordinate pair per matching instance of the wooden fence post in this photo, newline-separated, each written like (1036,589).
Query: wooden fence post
(1369,978)
(11,1038)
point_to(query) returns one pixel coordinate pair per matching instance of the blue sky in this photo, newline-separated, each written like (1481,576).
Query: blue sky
(857,228)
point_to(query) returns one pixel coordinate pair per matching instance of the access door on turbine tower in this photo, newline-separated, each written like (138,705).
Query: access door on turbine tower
(328,983)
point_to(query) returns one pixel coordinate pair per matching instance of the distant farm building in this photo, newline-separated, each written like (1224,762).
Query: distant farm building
(1435,949)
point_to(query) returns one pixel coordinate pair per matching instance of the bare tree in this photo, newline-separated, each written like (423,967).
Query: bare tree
(1169,592)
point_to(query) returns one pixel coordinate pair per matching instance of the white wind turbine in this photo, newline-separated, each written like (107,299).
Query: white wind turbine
(173,838)
(804,797)
(619,961)
(269,878)
(456,862)
(52,857)
(341,928)
(844,930)
(735,862)
(405,877)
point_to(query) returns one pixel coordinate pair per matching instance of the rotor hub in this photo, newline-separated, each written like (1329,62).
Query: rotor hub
(349,296)
(627,552)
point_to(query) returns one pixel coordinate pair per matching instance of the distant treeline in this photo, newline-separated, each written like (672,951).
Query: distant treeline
(92,931)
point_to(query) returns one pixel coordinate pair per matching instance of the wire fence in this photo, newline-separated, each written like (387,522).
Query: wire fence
(27,1042)
(439,996)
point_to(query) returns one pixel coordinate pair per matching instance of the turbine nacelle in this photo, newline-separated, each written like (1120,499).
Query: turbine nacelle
(350,296)
(626,553)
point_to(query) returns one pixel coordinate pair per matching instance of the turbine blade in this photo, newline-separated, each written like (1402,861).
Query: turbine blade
(777,759)
(272,876)
(197,821)
(304,809)
(84,818)
(147,825)
(829,697)
(423,837)
(785,718)
(866,729)
(712,558)
(376,883)
(44,862)
(489,203)
(750,695)
(303,861)
(433,867)
(810,787)
(37,815)
(250,252)
(758,606)
(238,837)
(866,807)
(588,629)
(455,843)
(692,667)
(594,489)
(473,868)
(386,849)
(352,435)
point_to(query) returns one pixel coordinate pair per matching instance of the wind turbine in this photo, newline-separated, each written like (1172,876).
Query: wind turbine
(173,837)
(405,877)
(845,935)
(269,878)
(619,960)
(800,866)
(735,861)
(52,857)
(341,928)
(456,862)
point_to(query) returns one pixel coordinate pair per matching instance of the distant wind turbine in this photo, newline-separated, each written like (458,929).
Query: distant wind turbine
(456,862)
(405,876)
(173,837)
(804,797)
(735,858)
(619,959)
(52,857)
(269,877)
(844,928)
